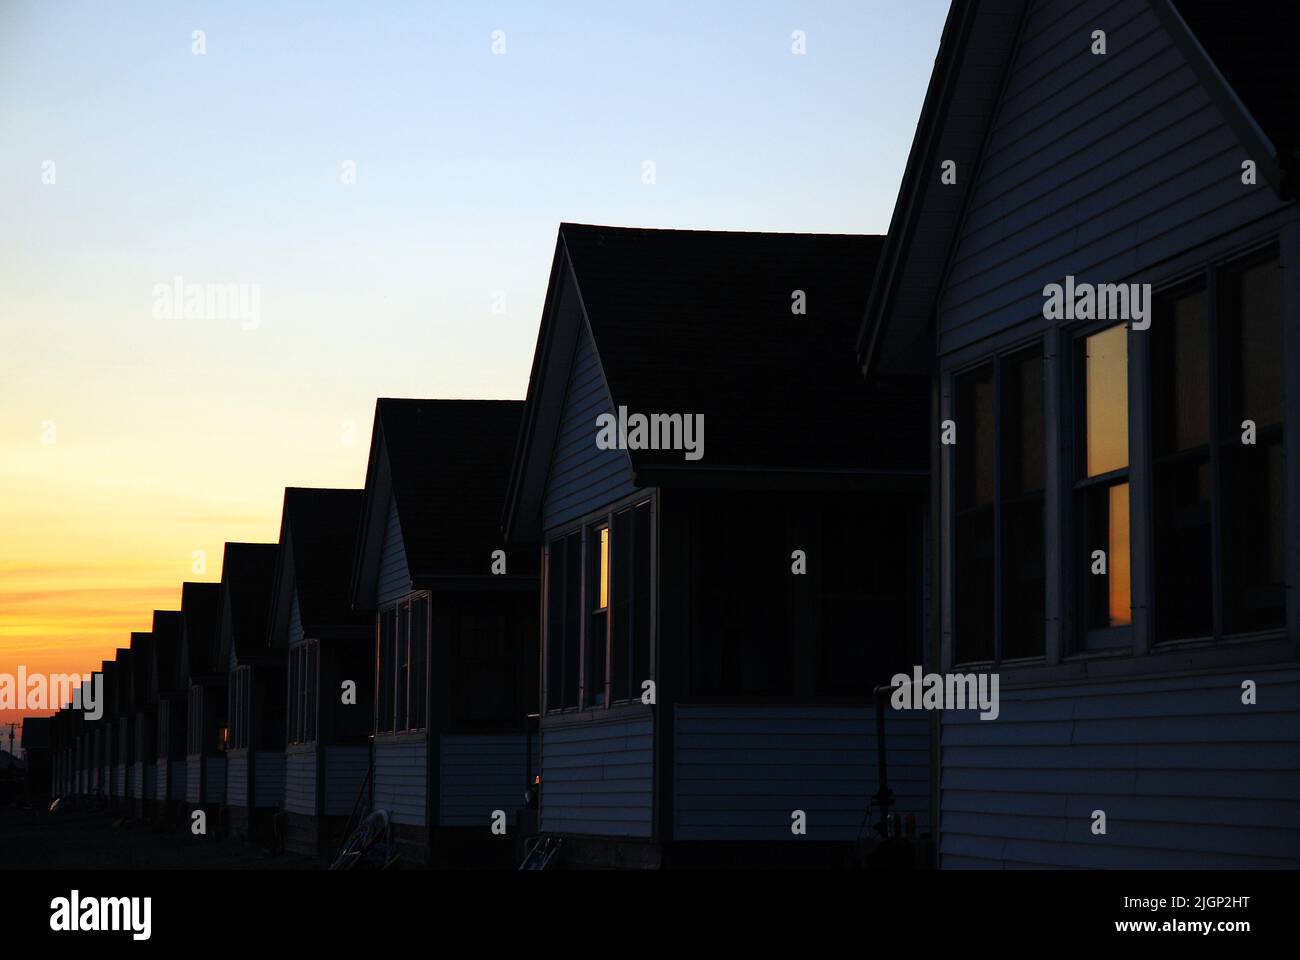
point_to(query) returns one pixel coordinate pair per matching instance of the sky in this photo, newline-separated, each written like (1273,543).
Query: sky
(383,182)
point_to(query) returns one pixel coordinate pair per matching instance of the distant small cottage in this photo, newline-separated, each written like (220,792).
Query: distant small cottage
(718,608)
(255,709)
(205,680)
(455,625)
(123,723)
(169,689)
(330,649)
(144,768)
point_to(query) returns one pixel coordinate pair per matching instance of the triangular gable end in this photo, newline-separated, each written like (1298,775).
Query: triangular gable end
(295,633)
(1086,155)
(394,578)
(582,477)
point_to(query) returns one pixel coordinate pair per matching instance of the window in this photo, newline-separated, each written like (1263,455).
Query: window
(1101,488)
(630,631)
(1181,464)
(386,651)
(1000,483)
(302,692)
(1253,495)
(401,675)
(611,641)
(598,622)
(1216,369)
(563,621)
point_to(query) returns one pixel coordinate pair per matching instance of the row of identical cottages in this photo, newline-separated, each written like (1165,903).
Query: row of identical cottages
(693,692)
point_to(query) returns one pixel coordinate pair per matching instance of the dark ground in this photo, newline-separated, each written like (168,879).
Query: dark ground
(86,839)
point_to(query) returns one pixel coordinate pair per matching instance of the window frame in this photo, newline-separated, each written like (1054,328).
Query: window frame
(1212,278)
(996,360)
(589,526)
(1081,638)
(401,664)
(1272,236)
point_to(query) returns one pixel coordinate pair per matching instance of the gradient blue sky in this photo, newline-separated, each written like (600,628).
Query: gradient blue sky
(176,435)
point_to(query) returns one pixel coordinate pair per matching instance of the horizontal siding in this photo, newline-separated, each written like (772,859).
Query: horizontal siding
(1187,775)
(741,772)
(194,779)
(300,780)
(295,621)
(394,580)
(119,781)
(214,790)
(598,777)
(479,775)
(345,771)
(583,477)
(401,778)
(1097,166)
(144,778)
(237,778)
(268,779)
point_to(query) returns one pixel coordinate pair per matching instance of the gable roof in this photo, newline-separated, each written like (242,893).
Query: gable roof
(36,733)
(123,679)
(318,531)
(1257,53)
(165,679)
(701,322)
(247,571)
(141,657)
(1242,56)
(445,463)
(200,629)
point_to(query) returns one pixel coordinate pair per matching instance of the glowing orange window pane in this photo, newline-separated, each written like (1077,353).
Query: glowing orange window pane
(604,568)
(1120,604)
(1106,373)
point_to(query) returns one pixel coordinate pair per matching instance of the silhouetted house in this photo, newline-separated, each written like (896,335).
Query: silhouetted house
(144,768)
(59,753)
(255,710)
(1115,523)
(205,680)
(330,648)
(719,605)
(106,734)
(123,729)
(79,764)
(456,655)
(37,756)
(169,689)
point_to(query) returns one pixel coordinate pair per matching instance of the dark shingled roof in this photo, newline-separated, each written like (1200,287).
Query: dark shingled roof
(690,321)
(201,616)
(166,651)
(1256,47)
(36,733)
(141,655)
(247,572)
(321,528)
(450,462)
